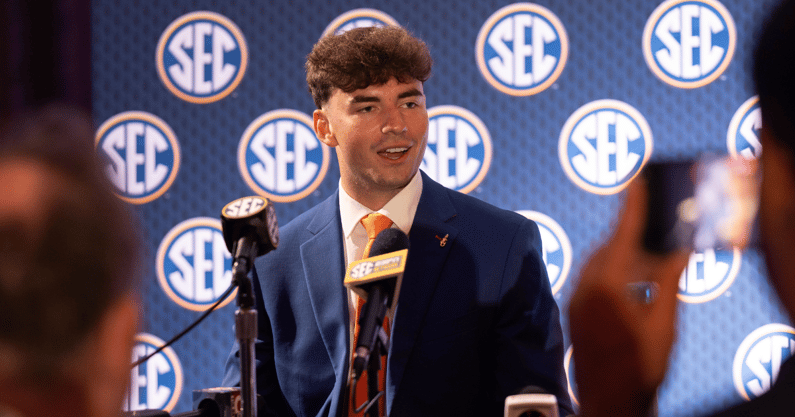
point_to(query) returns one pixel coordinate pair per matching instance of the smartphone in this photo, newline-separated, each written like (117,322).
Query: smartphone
(706,203)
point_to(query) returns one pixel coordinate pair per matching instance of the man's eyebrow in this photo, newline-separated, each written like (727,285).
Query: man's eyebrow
(410,93)
(373,99)
(365,99)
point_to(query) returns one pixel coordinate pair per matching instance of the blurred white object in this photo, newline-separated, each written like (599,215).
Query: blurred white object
(531,405)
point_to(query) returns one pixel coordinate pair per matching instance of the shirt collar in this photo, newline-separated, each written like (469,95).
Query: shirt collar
(400,209)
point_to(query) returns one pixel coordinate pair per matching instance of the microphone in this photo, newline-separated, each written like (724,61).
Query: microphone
(206,409)
(220,401)
(376,279)
(532,401)
(250,228)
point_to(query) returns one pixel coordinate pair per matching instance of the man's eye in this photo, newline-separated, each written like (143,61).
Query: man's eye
(367,109)
(411,104)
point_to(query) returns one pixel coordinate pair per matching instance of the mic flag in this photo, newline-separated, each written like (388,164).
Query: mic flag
(385,265)
(252,219)
(377,280)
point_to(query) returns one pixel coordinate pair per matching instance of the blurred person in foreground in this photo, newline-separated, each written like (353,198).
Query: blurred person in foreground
(68,256)
(622,346)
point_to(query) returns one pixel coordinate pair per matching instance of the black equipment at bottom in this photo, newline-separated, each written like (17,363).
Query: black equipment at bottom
(210,402)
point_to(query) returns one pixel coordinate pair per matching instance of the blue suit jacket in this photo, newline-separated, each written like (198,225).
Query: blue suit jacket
(475,319)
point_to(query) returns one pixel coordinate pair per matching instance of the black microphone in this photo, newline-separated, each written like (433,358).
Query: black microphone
(376,278)
(250,230)
(207,409)
(250,227)
(221,401)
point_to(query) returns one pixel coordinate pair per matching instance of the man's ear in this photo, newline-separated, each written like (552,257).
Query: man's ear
(323,128)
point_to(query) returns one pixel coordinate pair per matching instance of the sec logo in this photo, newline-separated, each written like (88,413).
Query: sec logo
(280,157)
(458,154)
(603,146)
(361,270)
(194,267)
(708,274)
(359,18)
(689,43)
(744,129)
(556,248)
(244,207)
(522,49)
(759,358)
(142,155)
(201,57)
(157,383)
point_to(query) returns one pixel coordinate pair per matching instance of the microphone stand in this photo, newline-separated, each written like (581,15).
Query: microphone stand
(373,366)
(246,325)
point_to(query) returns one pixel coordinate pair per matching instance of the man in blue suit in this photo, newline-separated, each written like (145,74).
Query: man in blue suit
(475,320)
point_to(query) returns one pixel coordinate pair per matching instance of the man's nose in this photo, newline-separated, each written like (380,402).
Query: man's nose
(394,122)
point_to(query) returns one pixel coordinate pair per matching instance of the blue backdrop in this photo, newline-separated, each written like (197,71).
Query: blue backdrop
(548,108)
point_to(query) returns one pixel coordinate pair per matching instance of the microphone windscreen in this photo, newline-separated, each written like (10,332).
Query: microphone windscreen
(253,217)
(389,240)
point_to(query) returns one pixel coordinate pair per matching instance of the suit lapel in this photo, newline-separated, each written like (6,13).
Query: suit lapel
(322,258)
(426,260)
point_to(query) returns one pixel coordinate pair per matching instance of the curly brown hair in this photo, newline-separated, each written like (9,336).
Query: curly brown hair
(366,56)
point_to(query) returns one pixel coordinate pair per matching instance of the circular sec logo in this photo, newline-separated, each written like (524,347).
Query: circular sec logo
(201,57)
(280,157)
(744,130)
(556,248)
(759,358)
(689,43)
(359,18)
(194,267)
(708,274)
(522,49)
(157,383)
(458,154)
(603,146)
(142,155)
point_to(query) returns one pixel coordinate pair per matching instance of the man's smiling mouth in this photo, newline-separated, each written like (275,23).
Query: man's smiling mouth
(393,153)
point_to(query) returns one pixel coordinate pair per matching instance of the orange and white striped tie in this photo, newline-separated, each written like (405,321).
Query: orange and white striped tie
(374,223)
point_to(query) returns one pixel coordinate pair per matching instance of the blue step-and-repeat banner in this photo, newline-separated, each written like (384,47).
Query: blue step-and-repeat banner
(548,108)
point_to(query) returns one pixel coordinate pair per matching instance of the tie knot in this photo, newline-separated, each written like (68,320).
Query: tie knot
(375,223)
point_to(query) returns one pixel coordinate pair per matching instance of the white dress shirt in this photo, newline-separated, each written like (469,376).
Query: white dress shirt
(400,209)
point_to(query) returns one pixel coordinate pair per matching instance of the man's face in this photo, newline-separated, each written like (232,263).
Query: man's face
(380,133)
